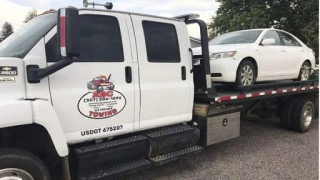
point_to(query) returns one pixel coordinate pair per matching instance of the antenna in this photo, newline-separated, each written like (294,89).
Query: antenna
(108,5)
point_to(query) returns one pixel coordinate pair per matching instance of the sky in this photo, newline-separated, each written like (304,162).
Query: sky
(14,11)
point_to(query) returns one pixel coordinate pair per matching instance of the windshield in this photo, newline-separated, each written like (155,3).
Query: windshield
(21,41)
(239,37)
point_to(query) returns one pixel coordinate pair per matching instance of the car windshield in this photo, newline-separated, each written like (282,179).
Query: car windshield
(239,37)
(21,41)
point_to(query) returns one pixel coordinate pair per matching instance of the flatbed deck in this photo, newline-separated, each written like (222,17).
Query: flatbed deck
(229,95)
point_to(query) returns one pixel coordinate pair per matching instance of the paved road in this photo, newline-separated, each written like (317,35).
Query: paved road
(263,151)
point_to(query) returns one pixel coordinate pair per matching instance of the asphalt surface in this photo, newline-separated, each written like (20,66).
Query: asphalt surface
(263,151)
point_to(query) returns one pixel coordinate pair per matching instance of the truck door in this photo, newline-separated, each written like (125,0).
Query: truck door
(164,59)
(94,96)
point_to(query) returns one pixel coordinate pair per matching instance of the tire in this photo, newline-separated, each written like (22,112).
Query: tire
(285,113)
(20,163)
(244,70)
(306,76)
(302,116)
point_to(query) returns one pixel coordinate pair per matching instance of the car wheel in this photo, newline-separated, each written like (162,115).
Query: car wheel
(246,74)
(305,71)
(20,164)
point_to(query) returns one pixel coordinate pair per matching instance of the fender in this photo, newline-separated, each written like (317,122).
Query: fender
(45,115)
(15,113)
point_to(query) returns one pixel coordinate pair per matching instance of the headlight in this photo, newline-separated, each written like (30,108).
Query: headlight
(223,55)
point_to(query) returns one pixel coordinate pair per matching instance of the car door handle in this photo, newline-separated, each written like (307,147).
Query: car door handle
(183,73)
(128,72)
(283,50)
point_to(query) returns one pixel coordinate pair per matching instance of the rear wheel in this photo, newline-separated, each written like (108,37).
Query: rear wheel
(18,164)
(246,74)
(305,71)
(302,115)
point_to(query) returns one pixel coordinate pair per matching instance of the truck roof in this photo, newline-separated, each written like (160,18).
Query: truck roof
(130,13)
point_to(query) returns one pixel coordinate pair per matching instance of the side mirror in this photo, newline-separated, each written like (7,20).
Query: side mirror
(68,32)
(68,45)
(268,42)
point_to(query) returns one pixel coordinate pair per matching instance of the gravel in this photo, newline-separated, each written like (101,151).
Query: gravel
(263,151)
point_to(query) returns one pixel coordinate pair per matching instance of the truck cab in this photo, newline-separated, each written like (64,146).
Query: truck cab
(148,58)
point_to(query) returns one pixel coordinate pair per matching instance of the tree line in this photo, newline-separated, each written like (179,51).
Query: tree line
(299,17)
(7,28)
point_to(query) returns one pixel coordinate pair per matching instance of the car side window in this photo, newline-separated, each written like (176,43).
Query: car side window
(100,40)
(273,35)
(289,40)
(161,42)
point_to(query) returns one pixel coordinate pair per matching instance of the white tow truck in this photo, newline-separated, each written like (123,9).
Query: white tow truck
(63,117)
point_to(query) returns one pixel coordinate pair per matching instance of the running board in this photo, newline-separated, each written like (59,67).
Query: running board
(165,158)
(117,171)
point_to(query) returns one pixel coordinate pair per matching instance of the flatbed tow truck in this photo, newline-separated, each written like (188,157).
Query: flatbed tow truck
(55,124)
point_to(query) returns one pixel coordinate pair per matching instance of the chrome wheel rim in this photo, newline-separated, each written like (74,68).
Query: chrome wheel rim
(14,174)
(305,72)
(247,75)
(307,116)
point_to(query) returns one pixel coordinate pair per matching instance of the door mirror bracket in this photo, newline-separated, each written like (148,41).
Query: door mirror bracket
(68,45)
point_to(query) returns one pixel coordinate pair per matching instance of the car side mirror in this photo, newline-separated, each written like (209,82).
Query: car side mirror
(68,32)
(268,42)
(68,45)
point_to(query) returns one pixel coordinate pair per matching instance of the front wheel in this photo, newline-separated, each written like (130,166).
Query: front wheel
(246,74)
(305,71)
(18,164)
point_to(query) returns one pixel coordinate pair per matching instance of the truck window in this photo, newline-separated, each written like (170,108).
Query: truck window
(23,40)
(100,40)
(161,42)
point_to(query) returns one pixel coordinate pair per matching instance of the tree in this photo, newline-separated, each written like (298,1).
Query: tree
(6,31)
(299,17)
(31,14)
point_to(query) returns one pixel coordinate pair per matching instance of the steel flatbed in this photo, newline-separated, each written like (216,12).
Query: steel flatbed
(232,95)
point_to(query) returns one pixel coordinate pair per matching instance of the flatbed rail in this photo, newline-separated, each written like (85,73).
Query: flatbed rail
(225,95)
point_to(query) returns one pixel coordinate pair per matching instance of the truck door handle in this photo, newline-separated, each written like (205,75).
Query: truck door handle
(128,74)
(183,73)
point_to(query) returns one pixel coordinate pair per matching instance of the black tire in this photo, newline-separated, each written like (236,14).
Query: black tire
(240,68)
(285,113)
(297,114)
(306,63)
(23,160)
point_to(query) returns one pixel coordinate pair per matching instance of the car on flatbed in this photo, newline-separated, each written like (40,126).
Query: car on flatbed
(256,55)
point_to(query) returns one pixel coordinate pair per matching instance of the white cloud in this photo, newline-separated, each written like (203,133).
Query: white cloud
(13,13)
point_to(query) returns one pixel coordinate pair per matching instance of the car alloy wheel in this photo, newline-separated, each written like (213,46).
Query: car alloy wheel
(14,174)
(305,71)
(247,75)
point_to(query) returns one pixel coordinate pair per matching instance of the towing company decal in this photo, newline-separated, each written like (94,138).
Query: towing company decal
(102,101)
(8,71)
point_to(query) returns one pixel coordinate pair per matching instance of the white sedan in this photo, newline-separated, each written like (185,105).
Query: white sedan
(255,55)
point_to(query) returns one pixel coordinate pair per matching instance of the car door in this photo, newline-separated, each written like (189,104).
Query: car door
(165,62)
(294,52)
(272,60)
(94,96)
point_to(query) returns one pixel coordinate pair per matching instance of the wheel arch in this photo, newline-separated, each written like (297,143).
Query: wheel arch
(33,138)
(254,62)
(34,112)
